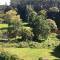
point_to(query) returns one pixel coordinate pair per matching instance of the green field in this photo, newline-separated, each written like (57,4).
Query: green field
(30,54)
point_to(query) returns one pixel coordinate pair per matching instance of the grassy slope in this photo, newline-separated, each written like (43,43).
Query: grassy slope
(31,54)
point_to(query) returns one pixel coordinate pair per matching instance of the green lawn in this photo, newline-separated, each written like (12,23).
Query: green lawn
(31,54)
(3,25)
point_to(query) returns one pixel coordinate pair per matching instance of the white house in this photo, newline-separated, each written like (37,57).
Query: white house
(5,2)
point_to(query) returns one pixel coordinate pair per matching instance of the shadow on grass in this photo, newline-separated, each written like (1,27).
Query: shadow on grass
(5,41)
(56,52)
(58,36)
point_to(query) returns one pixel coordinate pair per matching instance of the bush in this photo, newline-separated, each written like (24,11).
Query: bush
(30,44)
(52,25)
(38,22)
(26,33)
(22,44)
(51,42)
(33,44)
(41,29)
(7,56)
(43,13)
(54,9)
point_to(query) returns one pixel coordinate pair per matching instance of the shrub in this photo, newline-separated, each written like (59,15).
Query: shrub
(29,44)
(14,22)
(26,33)
(43,13)
(7,56)
(33,44)
(41,29)
(22,44)
(40,25)
(54,9)
(51,42)
(52,25)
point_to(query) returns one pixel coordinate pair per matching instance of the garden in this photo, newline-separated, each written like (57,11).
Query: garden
(35,37)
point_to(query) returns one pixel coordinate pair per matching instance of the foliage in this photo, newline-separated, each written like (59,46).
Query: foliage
(31,15)
(52,25)
(51,42)
(1,34)
(23,44)
(38,23)
(42,12)
(42,26)
(42,29)
(12,17)
(7,56)
(3,26)
(33,33)
(26,33)
(54,9)
(33,44)
(16,26)
(2,18)
(14,22)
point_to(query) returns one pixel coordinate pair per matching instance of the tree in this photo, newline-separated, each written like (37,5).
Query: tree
(54,9)
(17,28)
(41,27)
(42,12)
(52,25)
(31,15)
(14,21)
(12,17)
(26,33)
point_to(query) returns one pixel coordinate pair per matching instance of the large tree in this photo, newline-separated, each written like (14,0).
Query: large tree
(14,22)
(41,26)
(17,28)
